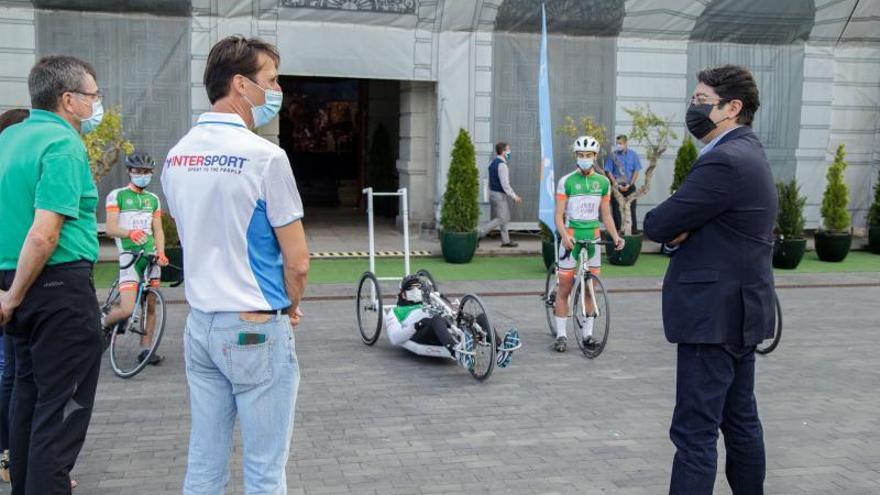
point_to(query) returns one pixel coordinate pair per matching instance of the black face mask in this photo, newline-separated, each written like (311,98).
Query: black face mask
(698,121)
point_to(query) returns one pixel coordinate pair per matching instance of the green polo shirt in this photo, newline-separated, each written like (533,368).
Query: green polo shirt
(44,165)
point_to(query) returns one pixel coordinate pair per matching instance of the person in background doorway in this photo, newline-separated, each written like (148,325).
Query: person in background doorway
(623,167)
(499,192)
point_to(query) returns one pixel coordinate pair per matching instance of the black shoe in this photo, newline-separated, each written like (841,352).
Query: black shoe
(510,244)
(590,343)
(154,359)
(560,344)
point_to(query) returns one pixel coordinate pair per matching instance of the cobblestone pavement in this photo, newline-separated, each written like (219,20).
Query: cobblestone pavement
(381,421)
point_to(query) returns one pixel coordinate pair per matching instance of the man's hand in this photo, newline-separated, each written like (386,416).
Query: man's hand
(7,306)
(567,240)
(295,317)
(619,242)
(138,237)
(162,259)
(517,199)
(679,239)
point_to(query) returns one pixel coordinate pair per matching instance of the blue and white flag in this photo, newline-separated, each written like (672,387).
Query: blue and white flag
(546,196)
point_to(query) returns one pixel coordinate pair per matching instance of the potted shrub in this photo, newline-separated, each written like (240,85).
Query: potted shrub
(107,144)
(460,212)
(684,160)
(833,242)
(874,220)
(790,241)
(173,251)
(548,246)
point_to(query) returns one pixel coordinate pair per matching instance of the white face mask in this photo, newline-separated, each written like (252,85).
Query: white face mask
(414,294)
(585,163)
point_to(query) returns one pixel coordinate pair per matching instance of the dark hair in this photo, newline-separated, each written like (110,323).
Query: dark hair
(622,137)
(500,146)
(733,82)
(12,117)
(55,75)
(234,55)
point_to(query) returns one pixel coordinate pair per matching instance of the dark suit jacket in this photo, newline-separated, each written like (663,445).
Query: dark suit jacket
(719,285)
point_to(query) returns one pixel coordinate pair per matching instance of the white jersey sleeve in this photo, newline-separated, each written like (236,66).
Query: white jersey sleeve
(397,334)
(283,203)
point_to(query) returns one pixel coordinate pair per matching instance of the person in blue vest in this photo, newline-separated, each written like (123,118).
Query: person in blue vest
(499,192)
(624,166)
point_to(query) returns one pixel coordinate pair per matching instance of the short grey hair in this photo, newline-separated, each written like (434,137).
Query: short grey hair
(55,75)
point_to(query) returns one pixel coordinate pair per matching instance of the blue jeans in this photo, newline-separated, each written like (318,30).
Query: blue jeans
(258,382)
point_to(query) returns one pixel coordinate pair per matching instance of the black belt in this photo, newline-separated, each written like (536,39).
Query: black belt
(271,311)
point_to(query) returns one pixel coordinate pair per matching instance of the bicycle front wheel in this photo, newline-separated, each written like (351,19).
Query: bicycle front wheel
(369,308)
(591,317)
(134,341)
(768,345)
(473,318)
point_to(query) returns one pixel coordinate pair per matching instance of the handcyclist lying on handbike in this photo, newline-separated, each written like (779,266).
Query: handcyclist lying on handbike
(412,326)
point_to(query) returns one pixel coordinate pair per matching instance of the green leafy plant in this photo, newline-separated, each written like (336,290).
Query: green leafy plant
(106,145)
(790,217)
(684,160)
(460,211)
(835,200)
(874,211)
(169,227)
(588,127)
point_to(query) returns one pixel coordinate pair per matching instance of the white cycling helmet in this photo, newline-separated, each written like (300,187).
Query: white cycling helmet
(585,143)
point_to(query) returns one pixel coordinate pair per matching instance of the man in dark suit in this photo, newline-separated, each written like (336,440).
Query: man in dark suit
(718,290)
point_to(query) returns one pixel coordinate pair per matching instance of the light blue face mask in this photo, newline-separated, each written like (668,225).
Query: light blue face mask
(507,156)
(584,163)
(141,180)
(90,124)
(263,114)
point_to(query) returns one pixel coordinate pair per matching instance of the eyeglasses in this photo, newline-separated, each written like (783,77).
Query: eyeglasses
(703,99)
(97,94)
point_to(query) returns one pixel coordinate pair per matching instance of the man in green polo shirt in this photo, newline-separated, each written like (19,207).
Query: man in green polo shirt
(48,245)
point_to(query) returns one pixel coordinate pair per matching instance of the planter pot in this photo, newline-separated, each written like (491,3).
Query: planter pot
(548,252)
(458,247)
(629,254)
(175,257)
(787,253)
(874,238)
(833,246)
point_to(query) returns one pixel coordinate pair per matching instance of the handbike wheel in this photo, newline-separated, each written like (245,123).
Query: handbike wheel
(767,346)
(369,308)
(600,313)
(126,347)
(473,319)
(551,288)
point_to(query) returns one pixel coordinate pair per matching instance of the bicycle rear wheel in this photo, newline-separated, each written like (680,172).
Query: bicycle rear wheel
(473,318)
(129,355)
(768,345)
(599,313)
(551,288)
(369,308)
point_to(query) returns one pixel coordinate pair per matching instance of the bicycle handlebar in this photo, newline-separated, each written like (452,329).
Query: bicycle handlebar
(137,255)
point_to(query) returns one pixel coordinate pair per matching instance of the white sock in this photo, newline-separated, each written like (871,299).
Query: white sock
(588,327)
(561,321)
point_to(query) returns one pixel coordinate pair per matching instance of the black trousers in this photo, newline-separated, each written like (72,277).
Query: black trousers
(432,331)
(58,357)
(617,215)
(715,388)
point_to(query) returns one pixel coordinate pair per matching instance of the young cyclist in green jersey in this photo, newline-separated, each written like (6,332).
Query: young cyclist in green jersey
(582,197)
(134,218)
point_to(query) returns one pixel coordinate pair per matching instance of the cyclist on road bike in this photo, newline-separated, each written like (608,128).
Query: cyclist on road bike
(582,196)
(134,218)
(424,333)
